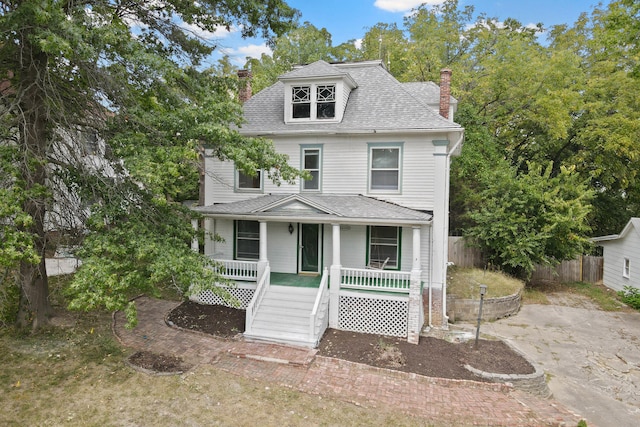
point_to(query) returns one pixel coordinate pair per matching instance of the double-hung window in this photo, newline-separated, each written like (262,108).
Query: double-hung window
(247,240)
(313,102)
(384,168)
(384,246)
(311,163)
(246,182)
(626,268)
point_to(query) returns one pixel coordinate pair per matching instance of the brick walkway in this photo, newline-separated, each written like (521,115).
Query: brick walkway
(438,400)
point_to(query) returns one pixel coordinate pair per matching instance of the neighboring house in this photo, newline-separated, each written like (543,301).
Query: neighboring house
(621,253)
(360,246)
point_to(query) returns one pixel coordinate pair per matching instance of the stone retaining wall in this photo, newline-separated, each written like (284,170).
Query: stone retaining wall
(535,383)
(459,309)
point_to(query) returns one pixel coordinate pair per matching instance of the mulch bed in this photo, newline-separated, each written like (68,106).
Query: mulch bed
(154,362)
(432,357)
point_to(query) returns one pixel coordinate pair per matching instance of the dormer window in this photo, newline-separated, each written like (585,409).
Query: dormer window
(326,102)
(313,102)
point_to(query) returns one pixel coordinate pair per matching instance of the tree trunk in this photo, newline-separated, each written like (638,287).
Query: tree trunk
(34,308)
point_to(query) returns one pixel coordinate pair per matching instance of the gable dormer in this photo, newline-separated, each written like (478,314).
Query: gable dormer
(316,93)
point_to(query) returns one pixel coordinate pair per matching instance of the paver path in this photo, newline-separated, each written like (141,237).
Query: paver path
(439,401)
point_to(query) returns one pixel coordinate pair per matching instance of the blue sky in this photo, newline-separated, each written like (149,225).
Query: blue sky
(350,19)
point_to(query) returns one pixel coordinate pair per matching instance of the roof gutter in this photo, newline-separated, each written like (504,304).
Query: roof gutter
(320,220)
(354,132)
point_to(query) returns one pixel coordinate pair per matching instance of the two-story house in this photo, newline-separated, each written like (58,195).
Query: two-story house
(362,244)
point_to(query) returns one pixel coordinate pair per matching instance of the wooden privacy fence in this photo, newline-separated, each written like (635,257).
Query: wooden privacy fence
(585,269)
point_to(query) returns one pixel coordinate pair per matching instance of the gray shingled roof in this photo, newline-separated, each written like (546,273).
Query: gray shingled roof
(427,91)
(318,207)
(379,103)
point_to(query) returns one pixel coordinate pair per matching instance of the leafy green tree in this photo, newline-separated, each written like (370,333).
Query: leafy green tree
(126,71)
(531,218)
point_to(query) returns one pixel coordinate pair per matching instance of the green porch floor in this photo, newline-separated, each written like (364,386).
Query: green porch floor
(296,280)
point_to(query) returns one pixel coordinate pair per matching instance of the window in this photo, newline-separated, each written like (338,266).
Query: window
(247,240)
(326,98)
(301,99)
(311,164)
(384,242)
(313,102)
(384,169)
(248,182)
(626,269)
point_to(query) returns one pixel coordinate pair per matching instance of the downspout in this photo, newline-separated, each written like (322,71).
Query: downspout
(444,283)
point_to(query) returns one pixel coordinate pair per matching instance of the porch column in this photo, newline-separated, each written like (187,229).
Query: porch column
(194,243)
(263,261)
(334,278)
(416,317)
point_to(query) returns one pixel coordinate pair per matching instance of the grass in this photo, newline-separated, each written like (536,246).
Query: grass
(606,299)
(74,374)
(465,283)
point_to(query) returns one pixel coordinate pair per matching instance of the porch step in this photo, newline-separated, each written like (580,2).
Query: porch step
(283,316)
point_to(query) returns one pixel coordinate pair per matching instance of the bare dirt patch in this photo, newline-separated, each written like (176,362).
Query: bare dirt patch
(154,362)
(432,357)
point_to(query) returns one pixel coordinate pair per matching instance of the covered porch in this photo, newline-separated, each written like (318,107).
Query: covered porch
(360,296)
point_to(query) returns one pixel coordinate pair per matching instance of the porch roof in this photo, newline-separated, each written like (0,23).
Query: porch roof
(322,208)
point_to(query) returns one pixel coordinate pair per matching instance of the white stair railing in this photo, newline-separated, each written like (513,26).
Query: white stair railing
(319,317)
(261,290)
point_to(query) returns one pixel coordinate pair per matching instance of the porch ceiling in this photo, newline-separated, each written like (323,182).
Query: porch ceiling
(322,208)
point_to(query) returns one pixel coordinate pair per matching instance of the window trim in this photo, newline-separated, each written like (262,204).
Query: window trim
(303,149)
(389,266)
(239,189)
(626,268)
(313,102)
(235,241)
(378,146)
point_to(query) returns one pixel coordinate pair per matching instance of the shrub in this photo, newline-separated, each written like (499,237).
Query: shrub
(630,296)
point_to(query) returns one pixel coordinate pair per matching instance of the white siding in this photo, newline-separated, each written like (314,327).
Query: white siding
(224,249)
(344,170)
(615,252)
(282,247)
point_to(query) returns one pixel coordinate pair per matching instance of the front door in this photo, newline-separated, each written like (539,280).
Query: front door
(310,248)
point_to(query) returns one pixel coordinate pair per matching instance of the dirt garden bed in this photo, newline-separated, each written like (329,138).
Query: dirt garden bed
(432,357)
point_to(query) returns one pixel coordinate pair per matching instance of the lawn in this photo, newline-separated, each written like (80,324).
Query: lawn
(75,374)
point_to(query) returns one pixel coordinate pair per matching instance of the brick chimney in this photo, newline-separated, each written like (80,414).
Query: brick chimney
(244,93)
(445,92)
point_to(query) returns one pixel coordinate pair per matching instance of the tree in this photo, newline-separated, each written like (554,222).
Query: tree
(530,218)
(125,71)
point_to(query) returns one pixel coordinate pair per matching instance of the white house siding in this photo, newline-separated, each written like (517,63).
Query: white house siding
(282,247)
(344,170)
(614,253)
(223,249)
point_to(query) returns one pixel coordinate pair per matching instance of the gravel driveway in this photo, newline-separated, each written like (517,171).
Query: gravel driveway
(592,357)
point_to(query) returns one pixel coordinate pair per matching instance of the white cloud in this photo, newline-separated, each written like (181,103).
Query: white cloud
(358,43)
(239,55)
(402,5)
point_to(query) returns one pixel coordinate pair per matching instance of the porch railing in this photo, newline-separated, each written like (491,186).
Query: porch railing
(258,296)
(237,270)
(375,280)
(319,317)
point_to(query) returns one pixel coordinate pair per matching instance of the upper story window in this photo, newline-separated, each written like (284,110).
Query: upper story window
(313,102)
(311,162)
(245,182)
(384,168)
(626,268)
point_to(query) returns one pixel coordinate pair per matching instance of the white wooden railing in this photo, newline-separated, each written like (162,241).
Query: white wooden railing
(261,291)
(319,317)
(238,270)
(375,280)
